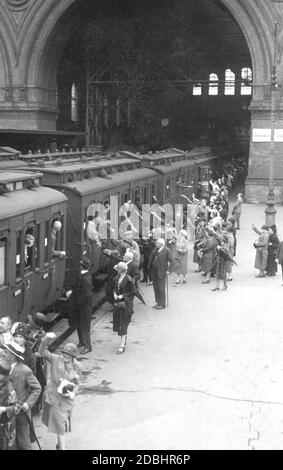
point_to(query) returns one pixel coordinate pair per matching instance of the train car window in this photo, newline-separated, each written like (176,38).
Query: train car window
(74,103)
(57,237)
(18,254)
(29,249)
(46,242)
(126,197)
(153,190)
(37,247)
(137,196)
(2,262)
(167,189)
(145,200)
(62,247)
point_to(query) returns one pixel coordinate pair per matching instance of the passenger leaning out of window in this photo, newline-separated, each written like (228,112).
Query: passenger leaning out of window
(55,230)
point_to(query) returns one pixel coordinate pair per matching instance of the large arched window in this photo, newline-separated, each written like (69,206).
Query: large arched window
(213,84)
(229,82)
(247,77)
(197,89)
(74,103)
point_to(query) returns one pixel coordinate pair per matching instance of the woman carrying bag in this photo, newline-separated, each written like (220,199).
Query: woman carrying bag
(124,292)
(61,388)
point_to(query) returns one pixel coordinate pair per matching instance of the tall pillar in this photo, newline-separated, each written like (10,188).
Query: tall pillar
(257,182)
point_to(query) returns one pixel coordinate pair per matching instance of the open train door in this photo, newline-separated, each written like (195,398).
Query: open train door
(55,244)
(22,290)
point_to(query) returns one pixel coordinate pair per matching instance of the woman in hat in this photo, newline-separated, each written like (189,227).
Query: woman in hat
(58,403)
(261,249)
(21,336)
(223,254)
(199,237)
(124,292)
(181,257)
(207,253)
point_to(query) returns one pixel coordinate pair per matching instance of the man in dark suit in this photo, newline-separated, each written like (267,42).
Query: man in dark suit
(161,260)
(27,389)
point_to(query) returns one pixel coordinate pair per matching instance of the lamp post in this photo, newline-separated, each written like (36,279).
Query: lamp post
(270,210)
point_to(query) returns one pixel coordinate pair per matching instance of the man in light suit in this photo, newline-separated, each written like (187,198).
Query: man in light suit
(160,261)
(27,389)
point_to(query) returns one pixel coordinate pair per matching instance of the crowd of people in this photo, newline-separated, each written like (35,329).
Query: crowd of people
(23,379)
(25,385)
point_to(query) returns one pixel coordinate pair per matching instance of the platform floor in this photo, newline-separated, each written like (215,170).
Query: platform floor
(206,373)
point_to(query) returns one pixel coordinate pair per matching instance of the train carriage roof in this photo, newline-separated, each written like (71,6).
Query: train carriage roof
(97,184)
(11,164)
(174,166)
(27,200)
(72,167)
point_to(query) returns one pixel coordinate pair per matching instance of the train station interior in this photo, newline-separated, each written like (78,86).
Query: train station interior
(144,135)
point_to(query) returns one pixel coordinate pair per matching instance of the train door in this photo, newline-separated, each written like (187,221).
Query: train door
(92,222)
(4,273)
(22,289)
(42,265)
(30,262)
(55,244)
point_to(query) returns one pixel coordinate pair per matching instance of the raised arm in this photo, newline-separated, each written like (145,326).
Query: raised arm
(256,230)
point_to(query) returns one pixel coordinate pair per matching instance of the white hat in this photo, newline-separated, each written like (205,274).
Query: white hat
(121,266)
(15,349)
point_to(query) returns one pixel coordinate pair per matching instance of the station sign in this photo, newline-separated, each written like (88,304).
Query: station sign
(278,135)
(262,135)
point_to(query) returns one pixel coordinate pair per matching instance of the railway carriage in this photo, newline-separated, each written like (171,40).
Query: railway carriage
(179,172)
(87,182)
(73,183)
(30,278)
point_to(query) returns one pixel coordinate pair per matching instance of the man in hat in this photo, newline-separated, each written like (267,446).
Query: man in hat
(27,389)
(81,308)
(5,330)
(33,332)
(35,324)
(161,260)
(130,245)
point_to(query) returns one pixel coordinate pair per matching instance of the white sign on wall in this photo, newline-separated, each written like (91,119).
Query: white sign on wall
(278,135)
(261,135)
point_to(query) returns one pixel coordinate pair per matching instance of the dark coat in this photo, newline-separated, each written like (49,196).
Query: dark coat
(160,263)
(81,303)
(127,289)
(25,384)
(280,253)
(208,247)
(30,359)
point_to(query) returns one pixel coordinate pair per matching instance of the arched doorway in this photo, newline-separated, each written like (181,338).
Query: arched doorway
(47,26)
